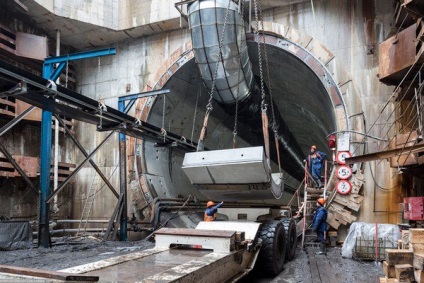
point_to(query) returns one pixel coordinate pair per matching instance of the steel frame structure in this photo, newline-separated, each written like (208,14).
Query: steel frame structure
(43,93)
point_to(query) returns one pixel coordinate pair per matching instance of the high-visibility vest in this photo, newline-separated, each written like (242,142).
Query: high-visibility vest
(209,218)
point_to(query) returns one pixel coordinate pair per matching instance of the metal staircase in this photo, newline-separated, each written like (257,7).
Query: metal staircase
(307,209)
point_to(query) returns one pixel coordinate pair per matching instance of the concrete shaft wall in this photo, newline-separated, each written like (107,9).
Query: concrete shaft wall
(351,30)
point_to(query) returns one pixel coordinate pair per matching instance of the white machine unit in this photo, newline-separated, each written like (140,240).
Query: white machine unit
(233,174)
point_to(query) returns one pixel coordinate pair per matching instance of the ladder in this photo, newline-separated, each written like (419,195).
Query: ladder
(308,208)
(89,202)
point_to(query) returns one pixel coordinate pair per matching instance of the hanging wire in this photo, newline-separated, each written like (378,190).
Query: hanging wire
(66,73)
(163,131)
(195,112)
(390,99)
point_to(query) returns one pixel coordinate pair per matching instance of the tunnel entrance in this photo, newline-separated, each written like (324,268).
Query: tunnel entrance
(304,92)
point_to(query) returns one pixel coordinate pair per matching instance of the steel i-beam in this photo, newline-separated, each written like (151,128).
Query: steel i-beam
(79,167)
(84,152)
(46,136)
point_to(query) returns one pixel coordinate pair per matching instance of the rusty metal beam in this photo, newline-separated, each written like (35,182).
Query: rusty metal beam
(18,168)
(386,154)
(47,274)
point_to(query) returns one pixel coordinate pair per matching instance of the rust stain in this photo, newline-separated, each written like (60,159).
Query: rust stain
(334,96)
(368,11)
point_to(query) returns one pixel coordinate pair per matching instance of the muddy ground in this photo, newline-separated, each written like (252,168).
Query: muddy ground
(306,267)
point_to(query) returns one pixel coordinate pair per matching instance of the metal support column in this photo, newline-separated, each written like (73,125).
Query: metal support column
(50,73)
(123,178)
(45,155)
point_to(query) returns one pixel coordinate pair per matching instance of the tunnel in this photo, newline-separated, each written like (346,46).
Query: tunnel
(304,93)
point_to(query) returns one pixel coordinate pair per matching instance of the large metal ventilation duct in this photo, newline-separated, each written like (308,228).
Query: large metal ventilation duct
(206,20)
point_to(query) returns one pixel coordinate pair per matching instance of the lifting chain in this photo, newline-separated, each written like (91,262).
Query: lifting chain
(102,108)
(263,101)
(98,77)
(258,17)
(241,9)
(209,108)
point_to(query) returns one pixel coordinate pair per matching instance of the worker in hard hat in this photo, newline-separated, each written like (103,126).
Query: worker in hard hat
(315,161)
(211,210)
(319,224)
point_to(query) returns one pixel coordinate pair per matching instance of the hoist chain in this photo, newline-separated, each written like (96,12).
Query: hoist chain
(209,107)
(102,108)
(271,100)
(238,80)
(274,125)
(263,102)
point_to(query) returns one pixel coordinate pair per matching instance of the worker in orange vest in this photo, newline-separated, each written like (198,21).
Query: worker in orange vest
(211,210)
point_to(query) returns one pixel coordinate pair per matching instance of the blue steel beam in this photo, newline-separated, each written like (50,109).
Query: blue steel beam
(80,56)
(123,176)
(45,155)
(131,98)
(49,73)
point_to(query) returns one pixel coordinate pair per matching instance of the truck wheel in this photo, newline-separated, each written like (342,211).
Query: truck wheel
(291,238)
(273,251)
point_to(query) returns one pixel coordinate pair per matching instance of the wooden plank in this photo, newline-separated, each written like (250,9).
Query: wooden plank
(389,270)
(314,270)
(327,273)
(416,248)
(346,214)
(6,165)
(395,256)
(416,236)
(64,164)
(404,272)
(352,201)
(418,262)
(195,232)
(419,276)
(332,221)
(47,274)
(387,280)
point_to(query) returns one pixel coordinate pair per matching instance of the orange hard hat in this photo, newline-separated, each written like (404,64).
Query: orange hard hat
(314,147)
(321,201)
(210,203)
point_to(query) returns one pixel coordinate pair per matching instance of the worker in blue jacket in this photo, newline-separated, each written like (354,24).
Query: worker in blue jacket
(211,210)
(319,224)
(315,161)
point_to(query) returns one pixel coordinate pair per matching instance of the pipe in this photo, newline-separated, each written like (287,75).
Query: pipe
(56,137)
(206,22)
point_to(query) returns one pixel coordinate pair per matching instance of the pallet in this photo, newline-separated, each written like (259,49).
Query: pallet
(28,164)
(64,170)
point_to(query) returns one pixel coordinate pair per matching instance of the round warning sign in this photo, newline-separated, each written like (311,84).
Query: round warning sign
(341,156)
(343,187)
(344,172)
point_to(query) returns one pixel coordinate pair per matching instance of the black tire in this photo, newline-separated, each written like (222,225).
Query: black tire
(291,238)
(273,251)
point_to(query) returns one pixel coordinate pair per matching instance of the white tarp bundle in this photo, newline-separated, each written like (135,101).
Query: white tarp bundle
(360,230)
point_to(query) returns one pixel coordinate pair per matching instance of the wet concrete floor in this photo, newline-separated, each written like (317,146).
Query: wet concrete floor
(330,268)
(306,267)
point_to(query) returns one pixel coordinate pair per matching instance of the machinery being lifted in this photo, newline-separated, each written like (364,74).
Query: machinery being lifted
(262,235)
